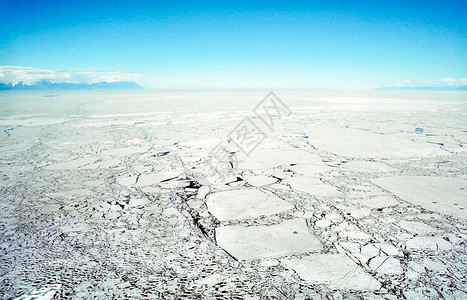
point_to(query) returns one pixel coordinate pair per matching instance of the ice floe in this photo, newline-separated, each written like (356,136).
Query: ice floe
(445,195)
(243,204)
(255,242)
(334,270)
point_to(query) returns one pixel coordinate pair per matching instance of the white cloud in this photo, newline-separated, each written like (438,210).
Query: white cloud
(443,82)
(16,74)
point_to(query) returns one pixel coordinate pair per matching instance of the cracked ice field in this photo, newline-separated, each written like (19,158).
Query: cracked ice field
(355,194)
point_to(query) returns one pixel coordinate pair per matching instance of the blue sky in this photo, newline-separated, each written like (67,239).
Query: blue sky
(240,44)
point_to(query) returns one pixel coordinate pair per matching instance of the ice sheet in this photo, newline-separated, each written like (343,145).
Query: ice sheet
(111,195)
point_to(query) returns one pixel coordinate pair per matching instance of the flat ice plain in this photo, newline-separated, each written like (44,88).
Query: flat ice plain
(355,195)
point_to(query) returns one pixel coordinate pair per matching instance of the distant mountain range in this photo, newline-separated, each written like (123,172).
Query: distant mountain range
(425,88)
(50,85)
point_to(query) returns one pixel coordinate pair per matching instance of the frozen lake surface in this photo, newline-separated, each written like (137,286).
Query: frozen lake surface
(346,194)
